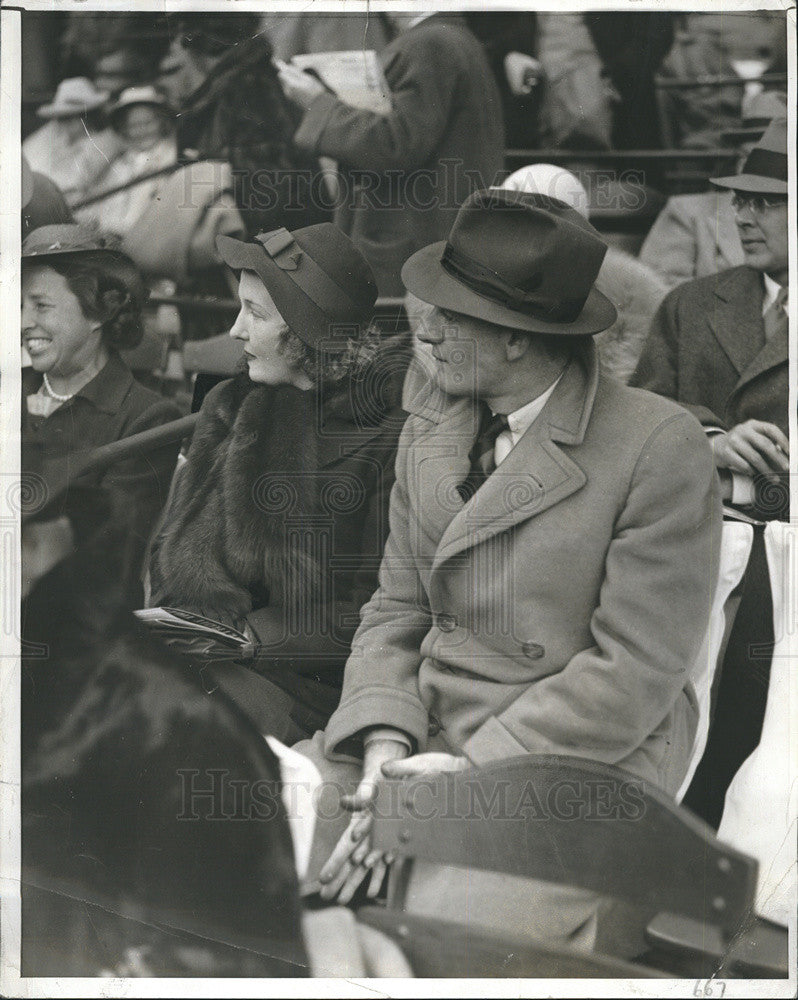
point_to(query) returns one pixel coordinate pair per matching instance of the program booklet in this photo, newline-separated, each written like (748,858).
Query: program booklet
(355,77)
(187,623)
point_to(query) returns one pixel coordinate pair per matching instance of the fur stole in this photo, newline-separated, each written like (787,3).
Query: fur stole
(229,534)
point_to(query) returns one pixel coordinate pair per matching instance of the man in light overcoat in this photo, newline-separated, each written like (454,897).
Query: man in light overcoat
(551,558)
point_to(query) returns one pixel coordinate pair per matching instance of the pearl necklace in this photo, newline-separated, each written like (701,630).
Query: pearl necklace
(55,395)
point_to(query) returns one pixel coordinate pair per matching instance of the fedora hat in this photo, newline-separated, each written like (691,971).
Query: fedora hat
(759,111)
(139,95)
(517,259)
(74,97)
(765,167)
(319,281)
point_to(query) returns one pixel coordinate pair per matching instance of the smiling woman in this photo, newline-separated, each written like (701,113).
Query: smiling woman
(81,305)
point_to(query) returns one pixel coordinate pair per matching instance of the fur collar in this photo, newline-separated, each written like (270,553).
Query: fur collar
(230,539)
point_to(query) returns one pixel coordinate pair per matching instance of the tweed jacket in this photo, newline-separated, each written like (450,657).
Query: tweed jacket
(706,349)
(405,174)
(693,236)
(559,609)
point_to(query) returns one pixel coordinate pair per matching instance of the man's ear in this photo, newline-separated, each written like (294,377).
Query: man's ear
(516,345)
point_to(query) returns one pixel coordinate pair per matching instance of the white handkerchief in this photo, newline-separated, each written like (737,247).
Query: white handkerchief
(300,778)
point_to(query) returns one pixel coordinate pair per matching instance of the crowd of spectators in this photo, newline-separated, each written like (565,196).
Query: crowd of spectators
(638,388)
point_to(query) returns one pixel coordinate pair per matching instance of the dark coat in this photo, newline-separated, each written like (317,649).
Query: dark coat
(406,173)
(707,350)
(111,717)
(240,114)
(279,517)
(110,407)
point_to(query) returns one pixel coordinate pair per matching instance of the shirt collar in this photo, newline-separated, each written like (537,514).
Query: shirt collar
(109,386)
(521,420)
(772,289)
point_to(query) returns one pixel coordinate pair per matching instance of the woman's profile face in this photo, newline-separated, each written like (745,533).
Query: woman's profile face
(259,327)
(142,127)
(58,336)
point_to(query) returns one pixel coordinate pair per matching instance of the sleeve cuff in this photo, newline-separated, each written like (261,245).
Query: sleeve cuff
(743,493)
(387,733)
(376,706)
(492,741)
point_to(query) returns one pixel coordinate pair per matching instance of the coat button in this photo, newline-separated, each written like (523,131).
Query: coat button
(434,726)
(533,650)
(446,623)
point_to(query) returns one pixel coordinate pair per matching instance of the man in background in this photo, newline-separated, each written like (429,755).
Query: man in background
(405,173)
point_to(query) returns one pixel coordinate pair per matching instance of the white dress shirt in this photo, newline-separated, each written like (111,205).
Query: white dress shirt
(520,421)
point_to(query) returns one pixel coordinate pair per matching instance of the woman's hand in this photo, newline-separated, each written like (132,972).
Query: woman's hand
(353,859)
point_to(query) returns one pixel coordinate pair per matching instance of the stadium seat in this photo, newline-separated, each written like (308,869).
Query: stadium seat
(690,896)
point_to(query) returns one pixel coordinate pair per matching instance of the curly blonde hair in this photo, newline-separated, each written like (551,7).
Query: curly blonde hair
(334,361)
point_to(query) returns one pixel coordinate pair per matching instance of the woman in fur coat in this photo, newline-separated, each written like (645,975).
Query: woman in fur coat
(278,518)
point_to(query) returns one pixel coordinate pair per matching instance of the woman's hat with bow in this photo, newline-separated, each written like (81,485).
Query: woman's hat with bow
(321,284)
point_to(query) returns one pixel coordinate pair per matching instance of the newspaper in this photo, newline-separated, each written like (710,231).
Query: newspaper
(355,77)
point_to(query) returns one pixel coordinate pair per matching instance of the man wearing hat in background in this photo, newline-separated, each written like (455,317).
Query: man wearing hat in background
(546,579)
(718,345)
(694,235)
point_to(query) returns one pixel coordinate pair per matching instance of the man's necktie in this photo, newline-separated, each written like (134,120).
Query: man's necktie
(775,317)
(481,455)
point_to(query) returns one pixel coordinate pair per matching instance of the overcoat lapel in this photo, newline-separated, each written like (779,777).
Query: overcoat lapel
(537,473)
(736,320)
(438,463)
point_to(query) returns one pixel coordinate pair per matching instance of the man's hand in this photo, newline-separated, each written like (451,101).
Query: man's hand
(299,86)
(425,763)
(522,72)
(751,447)
(353,858)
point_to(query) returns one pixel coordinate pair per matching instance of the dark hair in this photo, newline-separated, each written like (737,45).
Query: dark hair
(109,288)
(215,34)
(337,360)
(566,347)
(119,740)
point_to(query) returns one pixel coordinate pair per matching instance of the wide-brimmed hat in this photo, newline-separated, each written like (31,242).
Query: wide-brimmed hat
(319,281)
(67,238)
(521,260)
(76,96)
(139,95)
(758,112)
(765,167)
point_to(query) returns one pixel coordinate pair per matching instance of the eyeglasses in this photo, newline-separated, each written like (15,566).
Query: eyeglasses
(758,203)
